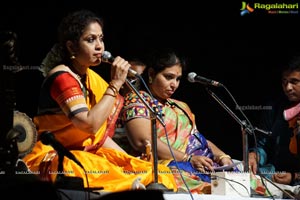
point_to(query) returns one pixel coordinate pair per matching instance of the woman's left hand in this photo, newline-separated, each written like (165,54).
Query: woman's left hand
(225,161)
(202,163)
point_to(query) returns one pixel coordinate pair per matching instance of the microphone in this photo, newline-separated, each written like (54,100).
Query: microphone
(193,77)
(108,58)
(48,138)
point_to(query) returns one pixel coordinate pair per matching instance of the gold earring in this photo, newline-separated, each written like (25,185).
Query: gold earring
(72,57)
(150,80)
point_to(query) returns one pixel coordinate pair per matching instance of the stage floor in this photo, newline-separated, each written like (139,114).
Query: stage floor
(207,197)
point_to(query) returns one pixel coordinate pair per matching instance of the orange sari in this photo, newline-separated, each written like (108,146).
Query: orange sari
(103,167)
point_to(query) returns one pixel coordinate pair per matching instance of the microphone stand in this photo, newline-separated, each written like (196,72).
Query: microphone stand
(154,115)
(66,182)
(60,176)
(246,128)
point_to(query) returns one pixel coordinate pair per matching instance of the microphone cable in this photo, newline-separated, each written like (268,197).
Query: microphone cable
(262,177)
(176,163)
(166,133)
(259,174)
(145,85)
(239,108)
(252,131)
(282,190)
(231,180)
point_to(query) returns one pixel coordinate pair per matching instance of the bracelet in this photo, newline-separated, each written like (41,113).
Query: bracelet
(223,156)
(113,88)
(184,157)
(113,95)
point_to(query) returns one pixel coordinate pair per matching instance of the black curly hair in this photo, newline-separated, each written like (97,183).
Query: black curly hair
(72,27)
(74,24)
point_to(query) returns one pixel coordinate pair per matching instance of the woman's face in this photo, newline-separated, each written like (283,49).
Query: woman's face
(91,46)
(165,83)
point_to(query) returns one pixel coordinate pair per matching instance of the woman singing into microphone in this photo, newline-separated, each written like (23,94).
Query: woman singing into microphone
(80,108)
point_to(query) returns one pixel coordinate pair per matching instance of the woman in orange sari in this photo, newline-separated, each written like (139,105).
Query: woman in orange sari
(80,109)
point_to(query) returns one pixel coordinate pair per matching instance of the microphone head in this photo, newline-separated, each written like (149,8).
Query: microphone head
(107,57)
(191,77)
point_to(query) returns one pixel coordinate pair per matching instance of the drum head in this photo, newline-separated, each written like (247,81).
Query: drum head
(27,134)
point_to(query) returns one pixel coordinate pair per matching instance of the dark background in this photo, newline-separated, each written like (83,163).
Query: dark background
(245,53)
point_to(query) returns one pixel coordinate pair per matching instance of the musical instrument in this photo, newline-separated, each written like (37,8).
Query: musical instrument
(24,131)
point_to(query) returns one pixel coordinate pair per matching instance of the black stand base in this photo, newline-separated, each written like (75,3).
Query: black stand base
(66,182)
(157,186)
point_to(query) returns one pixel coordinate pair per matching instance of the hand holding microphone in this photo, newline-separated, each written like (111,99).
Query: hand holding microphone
(118,71)
(108,58)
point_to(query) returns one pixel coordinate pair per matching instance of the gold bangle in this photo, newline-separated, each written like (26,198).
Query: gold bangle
(113,86)
(184,157)
(223,156)
(114,89)
(113,95)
